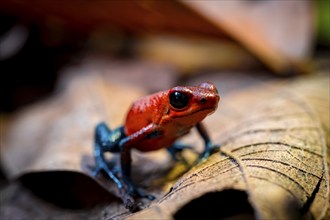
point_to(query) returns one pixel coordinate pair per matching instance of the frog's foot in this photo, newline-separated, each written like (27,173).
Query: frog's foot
(208,152)
(176,152)
(134,191)
(129,201)
(108,169)
(112,171)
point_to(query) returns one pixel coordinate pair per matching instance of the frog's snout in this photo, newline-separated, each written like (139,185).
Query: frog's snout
(209,86)
(210,101)
(210,97)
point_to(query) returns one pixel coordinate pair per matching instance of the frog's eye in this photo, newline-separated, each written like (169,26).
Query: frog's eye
(178,100)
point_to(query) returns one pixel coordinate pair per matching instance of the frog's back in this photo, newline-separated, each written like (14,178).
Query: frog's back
(171,113)
(144,111)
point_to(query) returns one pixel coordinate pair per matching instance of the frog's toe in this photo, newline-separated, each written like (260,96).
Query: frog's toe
(136,192)
(176,151)
(215,148)
(203,156)
(150,197)
(95,171)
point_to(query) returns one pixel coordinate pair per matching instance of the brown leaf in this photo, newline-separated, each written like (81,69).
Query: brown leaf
(193,54)
(56,133)
(45,142)
(279,33)
(274,151)
(273,148)
(270,30)
(133,16)
(42,127)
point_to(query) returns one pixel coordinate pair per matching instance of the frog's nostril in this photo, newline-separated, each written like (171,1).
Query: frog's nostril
(203,100)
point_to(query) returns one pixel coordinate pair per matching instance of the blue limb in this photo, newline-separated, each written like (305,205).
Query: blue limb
(106,140)
(209,147)
(175,151)
(126,161)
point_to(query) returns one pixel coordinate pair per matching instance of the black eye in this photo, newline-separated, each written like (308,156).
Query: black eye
(179,100)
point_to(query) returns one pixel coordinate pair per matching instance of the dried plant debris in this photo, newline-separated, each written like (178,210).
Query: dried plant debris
(276,155)
(273,162)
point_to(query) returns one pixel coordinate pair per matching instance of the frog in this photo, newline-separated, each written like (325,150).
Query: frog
(154,122)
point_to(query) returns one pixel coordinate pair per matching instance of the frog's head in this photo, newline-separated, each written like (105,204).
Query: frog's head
(192,104)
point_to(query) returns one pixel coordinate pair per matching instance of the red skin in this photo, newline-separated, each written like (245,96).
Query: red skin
(154,112)
(155,122)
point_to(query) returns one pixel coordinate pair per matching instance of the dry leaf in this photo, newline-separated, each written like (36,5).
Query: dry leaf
(57,134)
(273,159)
(191,55)
(133,16)
(58,131)
(279,33)
(35,139)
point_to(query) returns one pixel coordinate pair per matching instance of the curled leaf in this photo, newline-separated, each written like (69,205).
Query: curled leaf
(276,154)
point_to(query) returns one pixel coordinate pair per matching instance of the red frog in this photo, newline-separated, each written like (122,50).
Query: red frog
(153,122)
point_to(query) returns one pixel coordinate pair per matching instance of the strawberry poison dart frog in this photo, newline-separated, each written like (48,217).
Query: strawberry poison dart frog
(153,122)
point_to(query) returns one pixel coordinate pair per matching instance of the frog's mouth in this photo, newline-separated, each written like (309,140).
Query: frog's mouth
(211,110)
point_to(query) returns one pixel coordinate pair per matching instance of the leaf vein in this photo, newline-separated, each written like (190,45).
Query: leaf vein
(275,183)
(255,131)
(284,163)
(276,143)
(283,174)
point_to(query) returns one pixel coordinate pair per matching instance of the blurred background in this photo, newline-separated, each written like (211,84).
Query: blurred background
(156,44)
(38,39)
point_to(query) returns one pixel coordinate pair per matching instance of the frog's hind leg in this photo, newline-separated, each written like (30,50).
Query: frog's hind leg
(106,140)
(176,149)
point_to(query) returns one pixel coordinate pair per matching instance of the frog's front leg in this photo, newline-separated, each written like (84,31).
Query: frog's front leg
(126,161)
(209,147)
(106,140)
(175,151)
